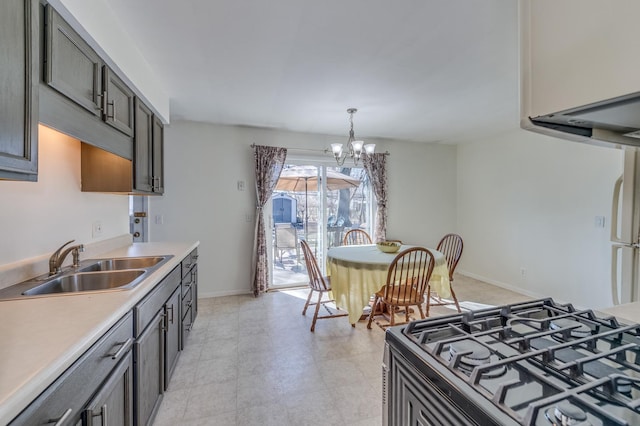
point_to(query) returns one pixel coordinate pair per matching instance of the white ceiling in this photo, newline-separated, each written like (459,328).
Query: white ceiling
(420,70)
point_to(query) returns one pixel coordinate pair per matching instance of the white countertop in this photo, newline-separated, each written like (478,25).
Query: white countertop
(629,312)
(42,337)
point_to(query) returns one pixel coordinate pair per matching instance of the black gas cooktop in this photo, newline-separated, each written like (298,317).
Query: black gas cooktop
(534,363)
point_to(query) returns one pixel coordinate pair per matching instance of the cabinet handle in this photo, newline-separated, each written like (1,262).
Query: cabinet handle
(154,181)
(113,110)
(125,347)
(100,102)
(89,415)
(171,307)
(103,413)
(62,419)
(163,322)
(103,103)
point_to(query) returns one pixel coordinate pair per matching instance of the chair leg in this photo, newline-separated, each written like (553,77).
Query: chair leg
(455,300)
(392,319)
(428,298)
(373,310)
(315,314)
(306,305)
(421,312)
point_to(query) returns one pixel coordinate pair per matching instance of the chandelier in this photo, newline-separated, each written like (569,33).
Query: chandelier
(354,147)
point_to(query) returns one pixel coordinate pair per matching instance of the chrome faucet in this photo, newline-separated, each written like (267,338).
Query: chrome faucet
(57,258)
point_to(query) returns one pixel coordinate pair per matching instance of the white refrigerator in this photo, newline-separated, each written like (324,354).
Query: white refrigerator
(625,231)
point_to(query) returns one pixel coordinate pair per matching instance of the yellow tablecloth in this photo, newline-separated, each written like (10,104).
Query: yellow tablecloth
(357,272)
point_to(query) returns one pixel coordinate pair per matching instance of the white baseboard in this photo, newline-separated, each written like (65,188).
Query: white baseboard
(501,284)
(236,292)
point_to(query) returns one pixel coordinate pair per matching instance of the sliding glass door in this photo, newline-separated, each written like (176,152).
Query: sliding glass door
(318,203)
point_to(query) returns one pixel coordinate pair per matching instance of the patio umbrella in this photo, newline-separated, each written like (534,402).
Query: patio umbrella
(303,179)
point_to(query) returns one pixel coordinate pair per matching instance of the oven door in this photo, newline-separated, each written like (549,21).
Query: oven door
(412,399)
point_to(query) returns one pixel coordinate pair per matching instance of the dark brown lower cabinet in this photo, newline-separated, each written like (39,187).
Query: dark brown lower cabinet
(149,370)
(121,379)
(99,382)
(113,404)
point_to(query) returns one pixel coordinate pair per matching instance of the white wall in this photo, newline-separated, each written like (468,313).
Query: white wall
(37,217)
(529,201)
(201,201)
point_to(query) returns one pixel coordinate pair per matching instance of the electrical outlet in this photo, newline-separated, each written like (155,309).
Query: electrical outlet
(96,229)
(599,222)
(523,273)
(159,219)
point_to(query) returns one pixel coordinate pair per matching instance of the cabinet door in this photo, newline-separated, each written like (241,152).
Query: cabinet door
(71,65)
(113,404)
(19,89)
(172,341)
(118,103)
(158,156)
(143,137)
(149,370)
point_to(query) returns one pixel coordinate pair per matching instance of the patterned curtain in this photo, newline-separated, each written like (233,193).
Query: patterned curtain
(376,167)
(269,163)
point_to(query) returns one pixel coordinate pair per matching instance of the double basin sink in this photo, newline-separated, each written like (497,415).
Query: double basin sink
(92,275)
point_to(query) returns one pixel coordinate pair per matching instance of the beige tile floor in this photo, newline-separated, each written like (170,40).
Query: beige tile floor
(253,361)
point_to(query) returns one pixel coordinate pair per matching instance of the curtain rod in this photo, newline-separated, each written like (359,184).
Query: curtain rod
(324,151)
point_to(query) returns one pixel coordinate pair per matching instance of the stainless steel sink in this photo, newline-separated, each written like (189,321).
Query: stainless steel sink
(87,281)
(111,274)
(118,264)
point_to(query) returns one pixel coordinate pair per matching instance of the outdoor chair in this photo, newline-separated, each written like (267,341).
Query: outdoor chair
(319,284)
(451,246)
(286,239)
(356,237)
(407,280)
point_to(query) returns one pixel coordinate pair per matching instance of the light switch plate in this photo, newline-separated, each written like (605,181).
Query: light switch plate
(96,229)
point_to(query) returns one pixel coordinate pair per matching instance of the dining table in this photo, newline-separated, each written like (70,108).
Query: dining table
(358,271)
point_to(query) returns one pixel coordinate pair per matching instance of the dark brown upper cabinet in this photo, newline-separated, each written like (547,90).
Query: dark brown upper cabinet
(117,103)
(19,65)
(72,67)
(148,170)
(75,70)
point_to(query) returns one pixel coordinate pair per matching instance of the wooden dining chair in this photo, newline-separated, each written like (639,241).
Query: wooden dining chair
(356,237)
(407,280)
(317,283)
(451,246)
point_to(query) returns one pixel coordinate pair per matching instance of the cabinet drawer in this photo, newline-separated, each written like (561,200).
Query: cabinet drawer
(71,391)
(150,305)
(188,262)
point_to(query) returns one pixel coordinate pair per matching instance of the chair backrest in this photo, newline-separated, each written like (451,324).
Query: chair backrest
(451,246)
(316,280)
(408,276)
(286,236)
(356,237)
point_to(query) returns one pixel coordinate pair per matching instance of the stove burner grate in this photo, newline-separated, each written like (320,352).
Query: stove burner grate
(566,414)
(468,354)
(576,329)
